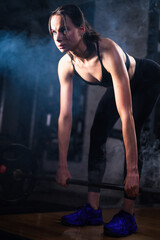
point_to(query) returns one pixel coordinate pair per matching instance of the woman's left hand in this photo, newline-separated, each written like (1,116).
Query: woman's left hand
(132,184)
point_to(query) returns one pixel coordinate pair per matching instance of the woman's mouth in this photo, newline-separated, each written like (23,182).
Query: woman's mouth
(61,46)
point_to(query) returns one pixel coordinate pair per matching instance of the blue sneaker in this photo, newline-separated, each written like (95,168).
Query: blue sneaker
(84,216)
(121,225)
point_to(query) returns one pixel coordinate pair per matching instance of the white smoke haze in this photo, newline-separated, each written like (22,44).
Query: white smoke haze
(26,58)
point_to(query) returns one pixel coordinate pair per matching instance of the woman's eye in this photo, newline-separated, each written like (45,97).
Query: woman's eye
(53,33)
(64,31)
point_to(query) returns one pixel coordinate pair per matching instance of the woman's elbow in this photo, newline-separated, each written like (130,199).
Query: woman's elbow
(126,117)
(65,118)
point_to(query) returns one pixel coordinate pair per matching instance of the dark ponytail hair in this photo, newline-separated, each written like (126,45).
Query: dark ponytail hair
(77,17)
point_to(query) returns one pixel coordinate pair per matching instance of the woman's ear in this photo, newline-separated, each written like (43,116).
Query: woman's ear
(82,29)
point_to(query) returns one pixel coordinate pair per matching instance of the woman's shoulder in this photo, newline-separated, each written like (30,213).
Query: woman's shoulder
(107,45)
(65,64)
(65,60)
(111,53)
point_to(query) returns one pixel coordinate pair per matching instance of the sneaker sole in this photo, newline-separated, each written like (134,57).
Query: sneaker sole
(107,232)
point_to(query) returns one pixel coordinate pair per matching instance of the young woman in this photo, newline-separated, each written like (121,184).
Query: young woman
(133,86)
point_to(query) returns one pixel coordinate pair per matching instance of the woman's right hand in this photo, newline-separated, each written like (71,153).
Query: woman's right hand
(62,175)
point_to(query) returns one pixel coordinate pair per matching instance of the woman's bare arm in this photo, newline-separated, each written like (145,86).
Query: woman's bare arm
(121,84)
(65,119)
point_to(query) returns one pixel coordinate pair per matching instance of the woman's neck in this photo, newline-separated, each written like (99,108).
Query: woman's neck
(81,52)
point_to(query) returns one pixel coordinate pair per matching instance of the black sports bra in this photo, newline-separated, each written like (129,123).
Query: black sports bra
(106,76)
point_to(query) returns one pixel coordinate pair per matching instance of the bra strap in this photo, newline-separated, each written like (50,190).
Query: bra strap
(127,61)
(75,72)
(98,53)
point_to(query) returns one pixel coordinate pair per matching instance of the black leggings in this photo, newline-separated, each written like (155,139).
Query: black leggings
(145,89)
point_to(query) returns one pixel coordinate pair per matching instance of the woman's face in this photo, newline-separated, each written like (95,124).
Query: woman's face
(66,35)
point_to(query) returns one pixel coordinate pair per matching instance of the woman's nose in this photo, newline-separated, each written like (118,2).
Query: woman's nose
(59,37)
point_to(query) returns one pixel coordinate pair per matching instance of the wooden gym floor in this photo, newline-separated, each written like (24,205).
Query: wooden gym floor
(46,226)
